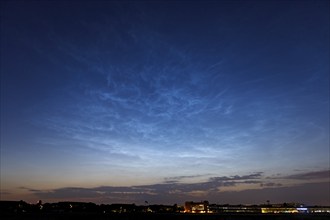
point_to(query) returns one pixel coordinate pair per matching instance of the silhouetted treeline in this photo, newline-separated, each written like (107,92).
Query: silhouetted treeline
(16,210)
(79,207)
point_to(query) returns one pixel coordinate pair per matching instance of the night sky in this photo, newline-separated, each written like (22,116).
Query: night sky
(165,101)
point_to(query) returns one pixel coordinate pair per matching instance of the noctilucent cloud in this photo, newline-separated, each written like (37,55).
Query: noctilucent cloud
(165,101)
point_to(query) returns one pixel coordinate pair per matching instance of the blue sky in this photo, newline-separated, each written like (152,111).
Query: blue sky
(170,101)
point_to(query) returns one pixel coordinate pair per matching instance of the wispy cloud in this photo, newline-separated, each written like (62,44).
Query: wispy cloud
(316,175)
(179,191)
(149,98)
(271,184)
(237,177)
(162,189)
(176,179)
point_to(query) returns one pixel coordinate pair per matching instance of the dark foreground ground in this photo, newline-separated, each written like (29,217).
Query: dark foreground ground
(149,216)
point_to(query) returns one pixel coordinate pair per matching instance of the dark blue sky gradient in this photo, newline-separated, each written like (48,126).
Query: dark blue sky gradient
(165,100)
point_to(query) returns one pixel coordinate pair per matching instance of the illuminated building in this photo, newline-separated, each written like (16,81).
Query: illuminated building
(196,207)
